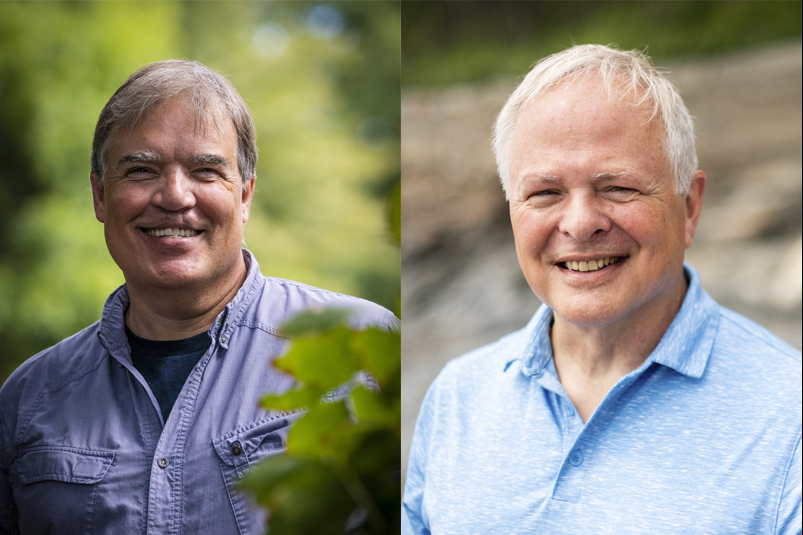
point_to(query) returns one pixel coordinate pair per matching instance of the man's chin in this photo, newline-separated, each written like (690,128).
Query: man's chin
(589,311)
(166,276)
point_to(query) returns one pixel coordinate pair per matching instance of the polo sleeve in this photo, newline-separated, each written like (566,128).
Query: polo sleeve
(414,519)
(789,514)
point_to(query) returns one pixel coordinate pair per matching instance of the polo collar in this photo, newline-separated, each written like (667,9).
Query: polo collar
(685,346)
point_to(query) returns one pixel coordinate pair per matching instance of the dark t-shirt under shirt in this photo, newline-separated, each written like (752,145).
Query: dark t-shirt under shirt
(166,364)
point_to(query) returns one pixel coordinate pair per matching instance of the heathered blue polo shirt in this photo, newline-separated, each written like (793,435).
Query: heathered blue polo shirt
(703,438)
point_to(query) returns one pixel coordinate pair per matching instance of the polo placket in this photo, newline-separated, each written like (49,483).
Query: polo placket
(576,447)
(569,483)
(583,438)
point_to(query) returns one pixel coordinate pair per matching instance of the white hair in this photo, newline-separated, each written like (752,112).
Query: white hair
(621,72)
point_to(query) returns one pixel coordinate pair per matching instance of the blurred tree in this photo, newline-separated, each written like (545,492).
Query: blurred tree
(328,149)
(456,42)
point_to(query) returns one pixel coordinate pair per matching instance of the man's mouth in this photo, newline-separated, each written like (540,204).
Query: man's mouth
(171,232)
(590,265)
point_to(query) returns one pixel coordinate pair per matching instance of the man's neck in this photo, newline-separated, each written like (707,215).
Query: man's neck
(591,359)
(176,314)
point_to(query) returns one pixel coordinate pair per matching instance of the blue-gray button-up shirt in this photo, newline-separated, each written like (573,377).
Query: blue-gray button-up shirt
(84,448)
(704,437)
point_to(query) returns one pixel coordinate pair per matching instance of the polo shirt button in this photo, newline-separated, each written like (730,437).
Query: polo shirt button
(576,458)
(236,449)
(162,462)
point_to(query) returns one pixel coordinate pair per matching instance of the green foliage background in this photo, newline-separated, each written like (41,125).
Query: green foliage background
(445,43)
(322,81)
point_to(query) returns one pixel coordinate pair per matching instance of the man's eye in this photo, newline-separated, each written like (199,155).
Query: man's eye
(621,193)
(139,171)
(543,193)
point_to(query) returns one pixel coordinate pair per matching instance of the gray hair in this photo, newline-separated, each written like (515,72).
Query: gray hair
(153,84)
(634,72)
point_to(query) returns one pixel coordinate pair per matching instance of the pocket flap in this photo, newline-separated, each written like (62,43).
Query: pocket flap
(71,465)
(251,443)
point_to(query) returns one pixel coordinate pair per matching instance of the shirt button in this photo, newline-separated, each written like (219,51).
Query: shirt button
(576,458)
(162,462)
(224,338)
(236,449)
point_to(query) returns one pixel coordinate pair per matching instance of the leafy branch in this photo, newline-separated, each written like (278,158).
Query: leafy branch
(341,470)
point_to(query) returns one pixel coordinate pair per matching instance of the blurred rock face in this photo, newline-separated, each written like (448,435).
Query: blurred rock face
(461,283)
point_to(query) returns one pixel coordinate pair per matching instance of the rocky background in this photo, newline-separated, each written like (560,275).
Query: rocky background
(461,284)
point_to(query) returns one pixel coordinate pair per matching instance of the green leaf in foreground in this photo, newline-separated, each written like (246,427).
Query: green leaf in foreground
(376,409)
(379,352)
(375,460)
(343,457)
(314,322)
(323,362)
(303,495)
(320,432)
(294,399)
(341,471)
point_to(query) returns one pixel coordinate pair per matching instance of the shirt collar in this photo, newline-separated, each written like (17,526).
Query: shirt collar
(112,323)
(234,312)
(685,346)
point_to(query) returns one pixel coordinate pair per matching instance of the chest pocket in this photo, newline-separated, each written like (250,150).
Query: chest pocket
(239,451)
(56,487)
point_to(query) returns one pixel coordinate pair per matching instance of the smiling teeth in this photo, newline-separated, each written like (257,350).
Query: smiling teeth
(178,232)
(591,265)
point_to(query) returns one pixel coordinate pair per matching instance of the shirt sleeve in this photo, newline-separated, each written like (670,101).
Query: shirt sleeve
(6,503)
(6,498)
(414,518)
(789,515)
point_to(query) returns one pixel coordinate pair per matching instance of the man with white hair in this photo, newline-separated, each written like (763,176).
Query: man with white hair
(146,421)
(631,402)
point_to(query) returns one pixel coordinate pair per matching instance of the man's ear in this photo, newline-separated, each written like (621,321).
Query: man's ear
(97,197)
(694,204)
(247,195)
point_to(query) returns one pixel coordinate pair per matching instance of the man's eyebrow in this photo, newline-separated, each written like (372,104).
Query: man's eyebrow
(530,178)
(611,175)
(209,159)
(551,179)
(145,156)
(599,177)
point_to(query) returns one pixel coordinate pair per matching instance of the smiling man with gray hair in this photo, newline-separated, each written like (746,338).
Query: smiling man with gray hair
(145,421)
(631,402)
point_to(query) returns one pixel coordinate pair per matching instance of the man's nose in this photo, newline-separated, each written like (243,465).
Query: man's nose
(583,217)
(175,192)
